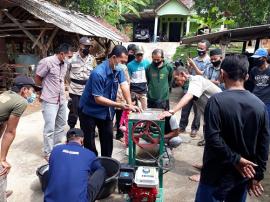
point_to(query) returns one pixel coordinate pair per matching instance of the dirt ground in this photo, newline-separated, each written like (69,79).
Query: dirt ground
(25,157)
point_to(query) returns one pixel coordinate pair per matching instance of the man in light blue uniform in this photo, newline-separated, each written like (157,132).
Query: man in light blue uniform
(75,174)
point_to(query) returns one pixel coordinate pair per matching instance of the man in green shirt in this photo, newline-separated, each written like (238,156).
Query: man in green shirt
(12,105)
(159,78)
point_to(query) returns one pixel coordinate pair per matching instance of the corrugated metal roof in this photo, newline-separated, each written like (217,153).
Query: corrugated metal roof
(70,21)
(233,35)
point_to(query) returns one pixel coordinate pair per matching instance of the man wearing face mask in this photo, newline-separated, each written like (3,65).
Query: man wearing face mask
(81,65)
(12,105)
(98,101)
(50,74)
(159,78)
(260,76)
(212,72)
(131,52)
(197,66)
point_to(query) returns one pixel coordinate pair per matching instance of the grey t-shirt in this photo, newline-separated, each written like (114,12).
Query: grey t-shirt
(261,80)
(202,89)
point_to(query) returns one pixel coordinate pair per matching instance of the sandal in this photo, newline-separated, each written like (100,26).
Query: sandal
(8,193)
(201,143)
(197,166)
(195,178)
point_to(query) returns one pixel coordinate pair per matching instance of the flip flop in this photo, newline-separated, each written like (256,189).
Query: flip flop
(195,178)
(197,166)
(8,193)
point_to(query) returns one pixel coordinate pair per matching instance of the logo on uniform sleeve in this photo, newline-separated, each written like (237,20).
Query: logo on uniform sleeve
(70,152)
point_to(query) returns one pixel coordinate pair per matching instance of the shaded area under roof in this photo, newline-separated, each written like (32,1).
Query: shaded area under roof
(70,21)
(233,35)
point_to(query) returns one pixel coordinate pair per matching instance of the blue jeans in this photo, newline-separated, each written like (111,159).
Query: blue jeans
(268,110)
(205,193)
(54,116)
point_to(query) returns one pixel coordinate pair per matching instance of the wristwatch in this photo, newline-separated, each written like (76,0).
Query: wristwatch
(171,112)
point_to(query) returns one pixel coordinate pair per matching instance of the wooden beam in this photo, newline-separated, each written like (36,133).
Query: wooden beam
(18,29)
(52,37)
(25,24)
(40,35)
(22,27)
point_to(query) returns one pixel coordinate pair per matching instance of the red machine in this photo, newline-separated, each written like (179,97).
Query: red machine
(142,194)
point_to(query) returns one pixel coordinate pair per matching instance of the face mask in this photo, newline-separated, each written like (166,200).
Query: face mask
(201,52)
(258,62)
(85,51)
(216,63)
(130,58)
(156,64)
(66,60)
(31,98)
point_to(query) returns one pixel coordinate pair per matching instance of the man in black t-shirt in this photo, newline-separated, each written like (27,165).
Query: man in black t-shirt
(237,139)
(260,76)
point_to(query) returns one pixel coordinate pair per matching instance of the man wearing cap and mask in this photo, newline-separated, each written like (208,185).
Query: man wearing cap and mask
(75,174)
(12,105)
(212,72)
(138,82)
(197,66)
(260,76)
(51,72)
(80,67)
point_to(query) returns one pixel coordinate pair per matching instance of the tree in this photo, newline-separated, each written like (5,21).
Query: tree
(243,12)
(110,10)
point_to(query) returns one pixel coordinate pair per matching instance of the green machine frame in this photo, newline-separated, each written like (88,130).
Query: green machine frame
(147,115)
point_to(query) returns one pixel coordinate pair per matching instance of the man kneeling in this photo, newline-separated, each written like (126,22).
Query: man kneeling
(75,174)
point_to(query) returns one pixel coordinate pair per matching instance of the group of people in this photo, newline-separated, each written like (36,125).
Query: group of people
(236,122)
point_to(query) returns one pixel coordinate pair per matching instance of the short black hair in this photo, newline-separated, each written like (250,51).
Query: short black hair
(118,50)
(132,47)
(181,69)
(64,47)
(236,66)
(208,44)
(158,51)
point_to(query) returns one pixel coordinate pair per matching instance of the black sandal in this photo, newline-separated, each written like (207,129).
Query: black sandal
(201,143)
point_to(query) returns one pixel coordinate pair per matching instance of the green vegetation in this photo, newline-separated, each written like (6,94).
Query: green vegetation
(241,12)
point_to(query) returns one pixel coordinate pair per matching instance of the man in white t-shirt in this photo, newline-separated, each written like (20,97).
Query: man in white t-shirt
(199,90)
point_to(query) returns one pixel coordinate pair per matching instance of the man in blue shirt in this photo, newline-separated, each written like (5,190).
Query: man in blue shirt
(70,168)
(138,82)
(99,100)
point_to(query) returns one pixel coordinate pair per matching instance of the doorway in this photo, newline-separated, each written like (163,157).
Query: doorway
(175,31)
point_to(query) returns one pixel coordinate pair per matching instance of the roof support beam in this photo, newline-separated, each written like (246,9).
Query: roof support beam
(14,20)
(40,35)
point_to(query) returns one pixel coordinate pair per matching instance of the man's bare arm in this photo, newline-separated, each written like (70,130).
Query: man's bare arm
(38,80)
(126,92)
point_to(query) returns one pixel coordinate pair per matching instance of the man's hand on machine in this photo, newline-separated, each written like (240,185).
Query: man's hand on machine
(5,168)
(166,114)
(131,108)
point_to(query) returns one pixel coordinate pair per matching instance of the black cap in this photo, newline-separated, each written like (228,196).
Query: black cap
(85,41)
(75,132)
(216,51)
(26,81)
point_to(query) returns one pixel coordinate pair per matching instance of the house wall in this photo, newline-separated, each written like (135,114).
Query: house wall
(173,8)
(169,19)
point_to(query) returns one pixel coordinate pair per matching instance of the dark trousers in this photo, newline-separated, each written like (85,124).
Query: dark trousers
(208,193)
(105,131)
(73,106)
(185,115)
(158,104)
(118,114)
(95,184)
